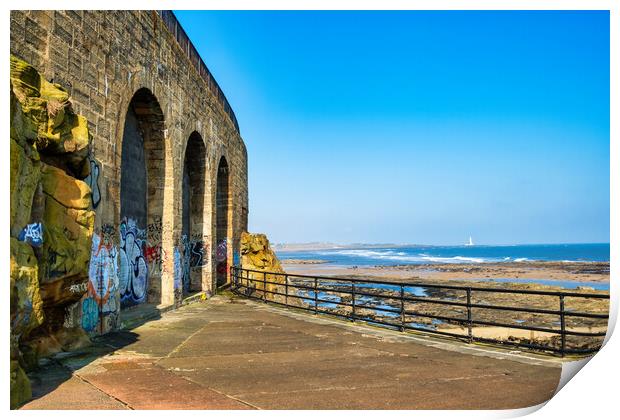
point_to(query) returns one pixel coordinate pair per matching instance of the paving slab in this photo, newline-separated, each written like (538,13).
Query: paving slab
(231,353)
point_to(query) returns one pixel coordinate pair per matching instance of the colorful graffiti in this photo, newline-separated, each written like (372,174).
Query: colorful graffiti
(133,269)
(236,259)
(221,254)
(179,275)
(103,285)
(93,181)
(153,252)
(90,314)
(32,234)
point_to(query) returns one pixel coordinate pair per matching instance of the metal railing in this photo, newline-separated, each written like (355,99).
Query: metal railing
(393,304)
(188,48)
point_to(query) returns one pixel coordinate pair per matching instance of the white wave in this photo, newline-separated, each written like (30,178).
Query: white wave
(456,260)
(521,259)
(364,253)
(403,257)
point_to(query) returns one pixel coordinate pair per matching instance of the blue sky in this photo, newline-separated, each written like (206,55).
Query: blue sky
(418,127)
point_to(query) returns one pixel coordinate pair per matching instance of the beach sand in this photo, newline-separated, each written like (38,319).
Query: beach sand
(593,272)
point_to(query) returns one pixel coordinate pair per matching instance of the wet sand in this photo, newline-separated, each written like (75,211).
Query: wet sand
(586,272)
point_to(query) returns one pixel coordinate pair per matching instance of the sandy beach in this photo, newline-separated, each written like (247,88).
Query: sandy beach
(587,272)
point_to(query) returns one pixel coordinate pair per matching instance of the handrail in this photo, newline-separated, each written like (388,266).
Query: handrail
(175,28)
(312,286)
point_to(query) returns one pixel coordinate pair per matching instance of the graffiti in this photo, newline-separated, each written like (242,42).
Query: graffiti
(184,262)
(111,321)
(220,257)
(90,314)
(179,275)
(32,234)
(72,315)
(78,288)
(153,252)
(154,230)
(236,258)
(103,285)
(107,234)
(93,181)
(198,250)
(133,269)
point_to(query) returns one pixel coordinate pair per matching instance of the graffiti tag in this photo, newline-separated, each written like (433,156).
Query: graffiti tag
(90,314)
(133,269)
(32,234)
(93,182)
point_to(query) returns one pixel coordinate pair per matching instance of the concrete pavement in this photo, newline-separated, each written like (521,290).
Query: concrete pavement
(231,353)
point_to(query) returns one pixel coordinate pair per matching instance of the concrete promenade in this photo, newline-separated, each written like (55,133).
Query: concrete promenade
(231,353)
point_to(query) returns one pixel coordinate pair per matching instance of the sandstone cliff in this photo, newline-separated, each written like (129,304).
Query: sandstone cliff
(51,221)
(256,254)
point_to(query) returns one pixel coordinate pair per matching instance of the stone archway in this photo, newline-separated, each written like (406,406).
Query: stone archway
(223,225)
(194,232)
(142,198)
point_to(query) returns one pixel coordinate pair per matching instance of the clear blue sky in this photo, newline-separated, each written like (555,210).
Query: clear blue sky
(418,127)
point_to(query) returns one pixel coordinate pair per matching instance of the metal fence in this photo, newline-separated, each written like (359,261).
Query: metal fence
(394,305)
(188,48)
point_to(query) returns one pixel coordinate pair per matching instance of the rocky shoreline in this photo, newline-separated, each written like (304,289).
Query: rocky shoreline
(475,275)
(595,272)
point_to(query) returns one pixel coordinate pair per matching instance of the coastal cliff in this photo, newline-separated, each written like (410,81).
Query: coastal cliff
(256,254)
(51,221)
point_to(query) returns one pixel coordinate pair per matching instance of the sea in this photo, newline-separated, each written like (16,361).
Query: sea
(426,254)
(474,254)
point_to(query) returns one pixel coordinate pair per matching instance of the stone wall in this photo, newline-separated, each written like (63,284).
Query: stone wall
(114,61)
(116,215)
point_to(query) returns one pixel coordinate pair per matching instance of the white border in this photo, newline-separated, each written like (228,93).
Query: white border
(591,395)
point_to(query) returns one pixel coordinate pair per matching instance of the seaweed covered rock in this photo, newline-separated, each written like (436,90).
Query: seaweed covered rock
(51,221)
(256,254)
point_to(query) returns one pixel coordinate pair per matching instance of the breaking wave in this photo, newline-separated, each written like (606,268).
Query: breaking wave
(391,255)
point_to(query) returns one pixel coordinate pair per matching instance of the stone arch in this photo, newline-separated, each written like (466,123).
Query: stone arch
(195,226)
(143,177)
(223,223)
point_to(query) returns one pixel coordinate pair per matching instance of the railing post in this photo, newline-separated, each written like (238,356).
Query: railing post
(470,335)
(286,289)
(562,326)
(264,286)
(353,301)
(402,308)
(316,296)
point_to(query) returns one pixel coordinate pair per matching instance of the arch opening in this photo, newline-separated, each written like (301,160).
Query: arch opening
(142,198)
(193,220)
(223,225)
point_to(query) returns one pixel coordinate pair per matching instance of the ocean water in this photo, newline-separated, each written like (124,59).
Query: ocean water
(453,254)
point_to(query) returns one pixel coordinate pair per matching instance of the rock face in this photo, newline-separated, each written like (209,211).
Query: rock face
(51,221)
(256,254)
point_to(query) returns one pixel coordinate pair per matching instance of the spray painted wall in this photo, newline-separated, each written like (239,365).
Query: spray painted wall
(144,101)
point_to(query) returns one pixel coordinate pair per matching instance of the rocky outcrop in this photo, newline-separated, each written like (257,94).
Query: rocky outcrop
(51,220)
(256,254)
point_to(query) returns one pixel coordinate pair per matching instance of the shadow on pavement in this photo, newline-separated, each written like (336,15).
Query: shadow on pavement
(56,369)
